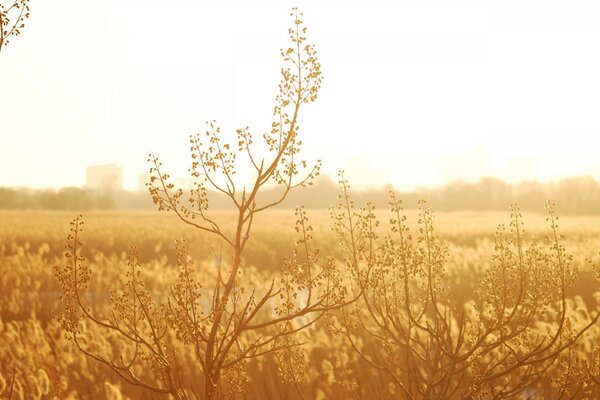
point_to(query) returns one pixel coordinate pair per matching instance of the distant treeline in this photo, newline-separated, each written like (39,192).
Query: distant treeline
(579,195)
(72,198)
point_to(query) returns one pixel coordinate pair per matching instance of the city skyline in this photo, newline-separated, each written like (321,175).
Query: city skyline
(470,166)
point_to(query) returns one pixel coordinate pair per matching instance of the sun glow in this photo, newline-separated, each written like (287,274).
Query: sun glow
(409,87)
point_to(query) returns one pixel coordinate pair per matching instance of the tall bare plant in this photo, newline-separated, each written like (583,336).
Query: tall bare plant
(408,324)
(226,321)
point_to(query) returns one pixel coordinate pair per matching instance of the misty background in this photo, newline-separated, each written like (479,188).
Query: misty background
(417,94)
(411,87)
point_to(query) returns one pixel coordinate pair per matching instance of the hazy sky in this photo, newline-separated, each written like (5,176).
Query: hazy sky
(415,93)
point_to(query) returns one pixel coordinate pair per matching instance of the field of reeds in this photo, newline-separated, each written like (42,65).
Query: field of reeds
(38,362)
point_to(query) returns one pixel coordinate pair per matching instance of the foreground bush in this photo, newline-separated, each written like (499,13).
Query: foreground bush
(518,326)
(381,297)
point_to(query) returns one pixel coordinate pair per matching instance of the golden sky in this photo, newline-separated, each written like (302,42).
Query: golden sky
(416,93)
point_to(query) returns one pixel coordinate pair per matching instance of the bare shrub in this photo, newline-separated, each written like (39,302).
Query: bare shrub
(220,319)
(518,329)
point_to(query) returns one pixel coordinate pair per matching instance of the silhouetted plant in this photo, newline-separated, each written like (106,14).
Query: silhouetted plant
(497,346)
(13,14)
(226,321)
(400,315)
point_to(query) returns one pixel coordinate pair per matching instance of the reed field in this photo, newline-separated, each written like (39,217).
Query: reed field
(35,351)
(224,291)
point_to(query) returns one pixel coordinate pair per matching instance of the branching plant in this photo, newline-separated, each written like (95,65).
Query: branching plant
(13,14)
(392,300)
(221,319)
(408,325)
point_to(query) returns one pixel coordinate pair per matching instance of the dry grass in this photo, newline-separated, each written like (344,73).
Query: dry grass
(44,361)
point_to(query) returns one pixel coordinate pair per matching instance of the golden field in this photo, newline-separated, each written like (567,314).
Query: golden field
(35,352)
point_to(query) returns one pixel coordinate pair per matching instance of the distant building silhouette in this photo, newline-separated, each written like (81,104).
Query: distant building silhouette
(178,181)
(108,177)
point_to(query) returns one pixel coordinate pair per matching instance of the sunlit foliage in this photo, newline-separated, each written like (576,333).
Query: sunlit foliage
(224,320)
(13,14)
(377,310)
(30,340)
(516,327)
